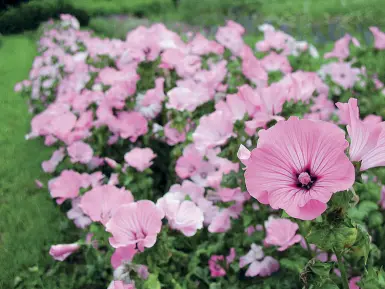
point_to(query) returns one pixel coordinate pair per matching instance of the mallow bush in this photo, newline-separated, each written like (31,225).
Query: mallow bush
(189,162)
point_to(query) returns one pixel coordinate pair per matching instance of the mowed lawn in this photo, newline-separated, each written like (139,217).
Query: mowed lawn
(29,221)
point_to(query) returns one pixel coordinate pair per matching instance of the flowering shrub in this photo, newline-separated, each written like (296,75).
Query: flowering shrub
(197,163)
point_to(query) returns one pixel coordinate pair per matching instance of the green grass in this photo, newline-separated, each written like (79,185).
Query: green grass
(29,221)
(108,7)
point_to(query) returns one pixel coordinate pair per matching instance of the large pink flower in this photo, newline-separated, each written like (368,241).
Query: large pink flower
(298,165)
(100,203)
(123,254)
(135,224)
(282,233)
(132,125)
(139,158)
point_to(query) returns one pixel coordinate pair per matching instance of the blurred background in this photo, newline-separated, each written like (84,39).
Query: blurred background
(29,220)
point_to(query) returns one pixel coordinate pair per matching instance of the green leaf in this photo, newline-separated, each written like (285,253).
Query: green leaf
(152,282)
(373,279)
(317,275)
(361,247)
(375,219)
(295,265)
(329,237)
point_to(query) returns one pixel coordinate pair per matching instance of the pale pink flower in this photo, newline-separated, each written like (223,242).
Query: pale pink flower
(111,163)
(39,184)
(230,36)
(173,136)
(252,68)
(50,165)
(213,130)
(123,254)
(183,98)
(188,188)
(139,158)
(259,266)
(379,38)
(132,125)
(231,257)
(276,62)
(80,152)
(135,224)
(341,48)
(221,222)
(363,136)
(66,186)
(216,270)
(282,233)
(189,163)
(182,215)
(298,165)
(62,251)
(353,282)
(101,202)
(77,215)
(201,45)
(342,73)
(120,285)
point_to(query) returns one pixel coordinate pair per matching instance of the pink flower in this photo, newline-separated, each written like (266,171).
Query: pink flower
(252,68)
(120,285)
(62,251)
(50,165)
(77,215)
(190,189)
(135,224)
(201,45)
(221,222)
(276,62)
(366,139)
(123,254)
(213,130)
(132,125)
(189,163)
(258,267)
(139,158)
(183,98)
(182,215)
(379,38)
(80,152)
(39,184)
(231,257)
(101,202)
(216,270)
(173,136)
(353,282)
(66,186)
(342,73)
(298,165)
(341,48)
(230,37)
(282,233)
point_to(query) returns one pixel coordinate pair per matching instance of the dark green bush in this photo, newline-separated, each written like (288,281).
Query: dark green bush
(28,16)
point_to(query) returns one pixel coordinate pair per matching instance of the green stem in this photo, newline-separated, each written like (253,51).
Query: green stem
(341,266)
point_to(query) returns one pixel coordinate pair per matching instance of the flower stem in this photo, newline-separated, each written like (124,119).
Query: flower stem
(341,266)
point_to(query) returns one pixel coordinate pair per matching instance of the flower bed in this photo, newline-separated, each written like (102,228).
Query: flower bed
(197,163)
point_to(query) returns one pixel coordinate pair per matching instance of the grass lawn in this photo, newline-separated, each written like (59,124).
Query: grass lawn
(29,221)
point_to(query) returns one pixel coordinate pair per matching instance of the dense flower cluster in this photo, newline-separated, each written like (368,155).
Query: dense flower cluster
(161,139)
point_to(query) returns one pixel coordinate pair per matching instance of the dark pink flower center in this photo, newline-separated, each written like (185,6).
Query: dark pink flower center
(305,180)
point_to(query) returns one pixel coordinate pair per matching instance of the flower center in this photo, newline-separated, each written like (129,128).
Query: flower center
(305,180)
